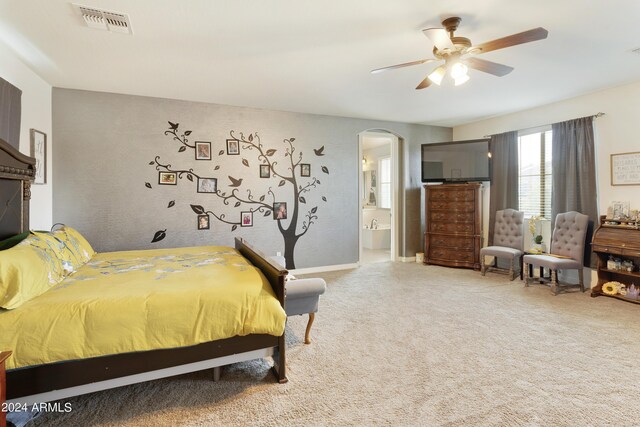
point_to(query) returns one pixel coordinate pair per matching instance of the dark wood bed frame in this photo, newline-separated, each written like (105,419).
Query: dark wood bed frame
(16,173)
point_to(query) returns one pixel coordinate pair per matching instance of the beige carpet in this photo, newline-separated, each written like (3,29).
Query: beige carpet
(404,344)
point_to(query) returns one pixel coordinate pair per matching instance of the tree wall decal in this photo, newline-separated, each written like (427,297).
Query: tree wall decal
(294,189)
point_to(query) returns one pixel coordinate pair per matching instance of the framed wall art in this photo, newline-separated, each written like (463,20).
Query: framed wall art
(167,178)
(625,168)
(39,152)
(203,150)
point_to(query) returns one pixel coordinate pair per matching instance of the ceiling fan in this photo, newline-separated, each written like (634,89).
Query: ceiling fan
(458,53)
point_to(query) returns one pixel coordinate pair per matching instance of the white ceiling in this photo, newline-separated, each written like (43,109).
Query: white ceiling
(315,56)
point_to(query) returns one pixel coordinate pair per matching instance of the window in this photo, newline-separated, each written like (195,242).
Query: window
(534,152)
(384,166)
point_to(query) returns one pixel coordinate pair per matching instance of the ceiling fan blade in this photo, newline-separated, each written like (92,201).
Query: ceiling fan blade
(439,37)
(424,84)
(512,40)
(406,64)
(488,66)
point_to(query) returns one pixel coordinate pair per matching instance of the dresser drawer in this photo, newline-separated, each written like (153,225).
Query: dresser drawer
(631,252)
(441,216)
(446,254)
(607,249)
(451,227)
(451,242)
(452,195)
(452,206)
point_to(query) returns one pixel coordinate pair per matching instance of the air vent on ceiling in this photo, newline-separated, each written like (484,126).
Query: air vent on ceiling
(105,20)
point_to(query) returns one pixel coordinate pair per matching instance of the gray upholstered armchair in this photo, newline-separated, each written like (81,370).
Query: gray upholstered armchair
(567,248)
(508,240)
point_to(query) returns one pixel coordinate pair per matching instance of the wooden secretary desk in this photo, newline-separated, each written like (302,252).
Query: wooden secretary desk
(453,220)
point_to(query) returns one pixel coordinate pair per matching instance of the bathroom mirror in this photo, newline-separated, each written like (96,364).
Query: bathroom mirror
(369,192)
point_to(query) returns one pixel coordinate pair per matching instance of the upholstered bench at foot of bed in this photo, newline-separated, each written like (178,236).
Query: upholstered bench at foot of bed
(302,297)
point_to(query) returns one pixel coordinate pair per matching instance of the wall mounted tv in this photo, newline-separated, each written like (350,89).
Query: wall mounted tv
(457,161)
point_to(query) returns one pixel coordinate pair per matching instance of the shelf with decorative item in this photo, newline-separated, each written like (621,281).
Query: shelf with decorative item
(618,251)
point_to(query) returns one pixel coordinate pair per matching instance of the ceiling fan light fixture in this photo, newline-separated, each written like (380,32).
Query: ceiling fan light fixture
(437,75)
(461,80)
(459,70)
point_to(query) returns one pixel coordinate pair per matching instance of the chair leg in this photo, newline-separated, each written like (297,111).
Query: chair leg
(526,278)
(554,281)
(483,266)
(512,273)
(581,276)
(307,338)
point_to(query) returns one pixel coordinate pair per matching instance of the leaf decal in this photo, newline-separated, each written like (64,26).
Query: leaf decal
(281,183)
(171,204)
(271,152)
(146,184)
(267,213)
(236,204)
(262,198)
(250,137)
(187,132)
(152,163)
(325,170)
(324,198)
(220,153)
(197,209)
(318,181)
(292,139)
(314,210)
(190,177)
(234,227)
(181,149)
(302,200)
(216,168)
(245,162)
(161,234)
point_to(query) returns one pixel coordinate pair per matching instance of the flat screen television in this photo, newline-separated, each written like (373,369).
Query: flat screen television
(457,161)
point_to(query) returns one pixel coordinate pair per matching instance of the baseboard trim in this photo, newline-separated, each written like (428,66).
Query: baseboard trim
(407,259)
(313,270)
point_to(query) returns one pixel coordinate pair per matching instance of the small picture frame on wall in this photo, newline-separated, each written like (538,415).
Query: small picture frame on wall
(265,171)
(167,178)
(207,185)
(280,210)
(233,147)
(203,222)
(39,152)
(305,169)
(246,219)
(203,150)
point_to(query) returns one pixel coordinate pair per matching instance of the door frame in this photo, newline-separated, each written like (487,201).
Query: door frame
(397,143)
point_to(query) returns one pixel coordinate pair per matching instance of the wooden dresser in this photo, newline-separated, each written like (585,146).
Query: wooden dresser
(453,220)
(622,242)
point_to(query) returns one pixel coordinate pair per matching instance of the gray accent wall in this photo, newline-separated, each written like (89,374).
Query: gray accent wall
(105,142)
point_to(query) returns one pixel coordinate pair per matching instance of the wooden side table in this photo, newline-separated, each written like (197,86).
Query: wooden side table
(529,266)
(3,386)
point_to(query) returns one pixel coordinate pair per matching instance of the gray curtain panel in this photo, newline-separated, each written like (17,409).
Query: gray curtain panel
(574,174)
(10,111)
(503,192)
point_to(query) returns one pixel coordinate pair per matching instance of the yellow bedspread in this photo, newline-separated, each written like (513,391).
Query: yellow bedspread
(122,302)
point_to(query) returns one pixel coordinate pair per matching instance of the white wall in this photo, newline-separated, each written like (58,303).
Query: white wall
(616,132)
(36,114)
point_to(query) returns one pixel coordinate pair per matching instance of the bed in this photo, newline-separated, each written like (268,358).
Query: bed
(54,375)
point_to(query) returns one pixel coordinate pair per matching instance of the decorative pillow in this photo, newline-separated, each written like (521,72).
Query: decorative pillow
(27,270)
(76,243)
(68,259)
(13,240)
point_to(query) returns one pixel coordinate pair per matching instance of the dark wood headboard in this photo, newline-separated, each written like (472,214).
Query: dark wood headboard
(16,173)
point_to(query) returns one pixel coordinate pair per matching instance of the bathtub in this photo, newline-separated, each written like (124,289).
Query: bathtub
(379,238)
